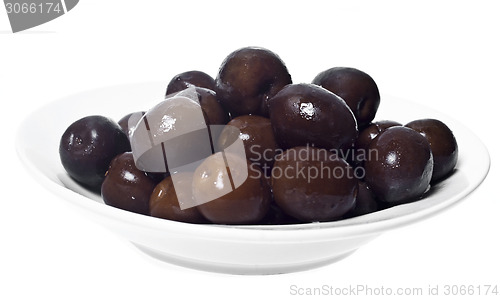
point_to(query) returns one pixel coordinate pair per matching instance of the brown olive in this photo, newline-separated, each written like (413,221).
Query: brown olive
(212,109)
(401,170)
(229,192)
(443,145)
(128,124)
(184,80)
(247,78)
(164,202)
(127,187)
(129,121)
(313,184)
(356,88)
(367,135)
(307,114)
(258,139)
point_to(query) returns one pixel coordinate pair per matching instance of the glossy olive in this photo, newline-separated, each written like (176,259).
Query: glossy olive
(307,114)
(443,145)
(356,87)
(127,187)
(129,121)
(164,202)
(212,109)
(247,78)
(313,184)
(229,192)
(366,136)
(128,124)
(87,147)
(402,168)
(258,139)
(184,80)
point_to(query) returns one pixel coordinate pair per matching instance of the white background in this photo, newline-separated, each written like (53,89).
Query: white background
(443,54)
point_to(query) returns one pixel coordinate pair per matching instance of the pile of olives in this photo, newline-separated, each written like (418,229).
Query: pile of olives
(313,150)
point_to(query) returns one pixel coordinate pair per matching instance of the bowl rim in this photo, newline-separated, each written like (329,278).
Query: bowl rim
(347,228)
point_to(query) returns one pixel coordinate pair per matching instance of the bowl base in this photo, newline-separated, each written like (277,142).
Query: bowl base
(238,269)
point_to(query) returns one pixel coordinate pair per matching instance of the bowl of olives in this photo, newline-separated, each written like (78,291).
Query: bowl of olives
(248,172)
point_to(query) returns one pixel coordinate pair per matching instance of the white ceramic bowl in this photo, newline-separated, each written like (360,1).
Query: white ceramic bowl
(234,249)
